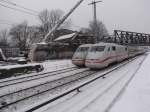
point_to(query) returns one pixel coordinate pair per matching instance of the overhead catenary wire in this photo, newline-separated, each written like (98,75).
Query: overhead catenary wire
(17,5)
(6,6)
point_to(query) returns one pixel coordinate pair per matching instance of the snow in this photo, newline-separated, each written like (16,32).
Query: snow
(67,88)
(65,36)
(49,66)
(136,97)
(24,85)
(44,43)
(17,66)
(94,94)
(101,96)
(52,65)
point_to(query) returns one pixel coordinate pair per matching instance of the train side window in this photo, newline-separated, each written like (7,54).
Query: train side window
(113,48)
(82,49)
(97,49)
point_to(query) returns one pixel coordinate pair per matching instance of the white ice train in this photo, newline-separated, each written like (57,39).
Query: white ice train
(103,54)
(79,56)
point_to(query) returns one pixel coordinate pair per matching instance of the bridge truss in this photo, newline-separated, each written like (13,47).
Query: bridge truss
(129,38)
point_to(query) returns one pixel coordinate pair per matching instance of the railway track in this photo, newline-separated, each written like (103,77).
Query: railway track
(15,97)
(91,100)
(10,82)
(110,93)
(103,75)
(15,101)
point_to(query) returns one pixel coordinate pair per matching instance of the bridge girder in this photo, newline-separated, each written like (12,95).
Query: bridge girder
(131,38)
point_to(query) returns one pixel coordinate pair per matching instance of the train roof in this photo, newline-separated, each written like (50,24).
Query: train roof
(104,44)
(99,44)
(86,45)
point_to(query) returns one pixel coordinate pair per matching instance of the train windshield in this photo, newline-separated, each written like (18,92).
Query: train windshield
(97,49)
(82,49)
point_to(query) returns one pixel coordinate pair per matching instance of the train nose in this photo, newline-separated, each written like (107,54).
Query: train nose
(95,63)
(78,61)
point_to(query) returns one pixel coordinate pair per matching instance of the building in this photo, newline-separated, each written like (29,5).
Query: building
(62,47)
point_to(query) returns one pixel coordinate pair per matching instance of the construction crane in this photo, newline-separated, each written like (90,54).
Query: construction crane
(62,20)
(33,51)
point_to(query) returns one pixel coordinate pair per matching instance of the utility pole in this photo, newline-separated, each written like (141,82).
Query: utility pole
(93,3)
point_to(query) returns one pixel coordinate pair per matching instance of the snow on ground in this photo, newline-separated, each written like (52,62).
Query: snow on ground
(52,65)
(20,86)
(17,66)
(92,94)
(49,66)
(136,97)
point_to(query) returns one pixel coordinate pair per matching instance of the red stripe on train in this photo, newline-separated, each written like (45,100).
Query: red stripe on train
(100,61)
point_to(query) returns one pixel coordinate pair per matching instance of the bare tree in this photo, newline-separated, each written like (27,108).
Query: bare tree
(35,36)
(20,34)
(4,37)
(49,19)
(101,29)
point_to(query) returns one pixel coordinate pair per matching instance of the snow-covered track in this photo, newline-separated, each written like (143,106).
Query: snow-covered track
(108,95)
(9,99)
(10,82)
(84,84)
(17,100)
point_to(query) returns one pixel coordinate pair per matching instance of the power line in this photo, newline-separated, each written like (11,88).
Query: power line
(17,5)
(18,10)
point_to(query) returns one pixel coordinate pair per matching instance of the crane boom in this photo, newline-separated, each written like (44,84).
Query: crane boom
(38,55)
(62,20)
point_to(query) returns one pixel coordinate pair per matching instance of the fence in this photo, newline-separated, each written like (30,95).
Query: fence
(11,52)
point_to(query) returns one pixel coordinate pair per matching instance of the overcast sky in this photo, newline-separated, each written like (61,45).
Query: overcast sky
(131,15)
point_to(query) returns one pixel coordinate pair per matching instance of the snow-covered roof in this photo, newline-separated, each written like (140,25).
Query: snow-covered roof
(65,36)
(17,66)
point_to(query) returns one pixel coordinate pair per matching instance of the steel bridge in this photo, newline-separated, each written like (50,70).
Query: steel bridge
(129,38)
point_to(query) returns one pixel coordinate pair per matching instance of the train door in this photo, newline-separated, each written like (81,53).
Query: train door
(109,54)
(114,54)
(119,53)
(126,52)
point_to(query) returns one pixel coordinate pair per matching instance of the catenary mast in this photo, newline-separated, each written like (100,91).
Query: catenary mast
(95,19)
